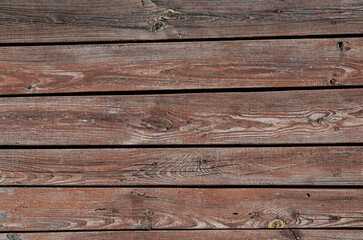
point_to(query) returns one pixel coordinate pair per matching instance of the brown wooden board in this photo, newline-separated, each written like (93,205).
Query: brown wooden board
(105,20)
(286,234)
(280,117)
(187,65)
(33,209)
(183,166)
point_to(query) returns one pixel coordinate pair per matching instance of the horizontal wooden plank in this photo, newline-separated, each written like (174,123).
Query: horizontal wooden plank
(34,209)
(183,166)
(165,66)
(104,20)
(285,117)
(286,234)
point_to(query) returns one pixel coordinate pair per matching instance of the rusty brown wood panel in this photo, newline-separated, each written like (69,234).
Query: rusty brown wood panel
(286,234)
(104,20)
(192,65)
(33,209)
(183,166)
(284,117)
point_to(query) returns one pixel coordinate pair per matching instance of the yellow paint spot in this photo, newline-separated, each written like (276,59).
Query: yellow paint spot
(276,223)
(170,12)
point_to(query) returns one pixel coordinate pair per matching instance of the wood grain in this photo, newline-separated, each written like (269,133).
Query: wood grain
(183,166)
(284,117)
(34,209)
(170,66)
(286,234)
(110,20)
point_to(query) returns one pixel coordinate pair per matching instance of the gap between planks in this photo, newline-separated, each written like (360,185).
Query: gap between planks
(120,42)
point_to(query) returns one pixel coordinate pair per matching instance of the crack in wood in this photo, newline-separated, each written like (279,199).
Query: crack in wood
(293,233)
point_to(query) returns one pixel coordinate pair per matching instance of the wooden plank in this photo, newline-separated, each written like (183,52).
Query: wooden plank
(286,234)
(35,209)
(183,166)
(165,66)
(281,117)
(105,20)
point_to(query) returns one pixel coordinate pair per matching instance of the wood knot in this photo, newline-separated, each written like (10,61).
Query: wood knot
(160,22)
(168,127)
(276,223)
(170,12)
(296,214)
(253,215)
(336,218)
(158,26)
(333,81)
(69,20)
(341,46)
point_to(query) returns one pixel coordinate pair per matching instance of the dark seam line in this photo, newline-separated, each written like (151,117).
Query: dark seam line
(316,36)
(183,91)
(306,187)
(180,146)
(182,229)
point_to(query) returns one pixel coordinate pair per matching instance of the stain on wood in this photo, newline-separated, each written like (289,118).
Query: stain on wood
(286,234)
(34,209)
(115,20)
(182,166)
(285,117)
(170,66)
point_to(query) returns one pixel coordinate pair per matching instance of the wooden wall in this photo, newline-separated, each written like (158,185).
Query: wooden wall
(181,119)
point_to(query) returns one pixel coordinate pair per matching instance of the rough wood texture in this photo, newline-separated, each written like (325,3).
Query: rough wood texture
(178,208)
(160,66)
(321,116)
(104,20)
(286,234)
(183,166)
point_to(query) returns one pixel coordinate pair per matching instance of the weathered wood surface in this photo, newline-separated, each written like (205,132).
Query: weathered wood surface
(178,208)
(286,234)
(104,20)
(161,66)
(183,166)
(321,116)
